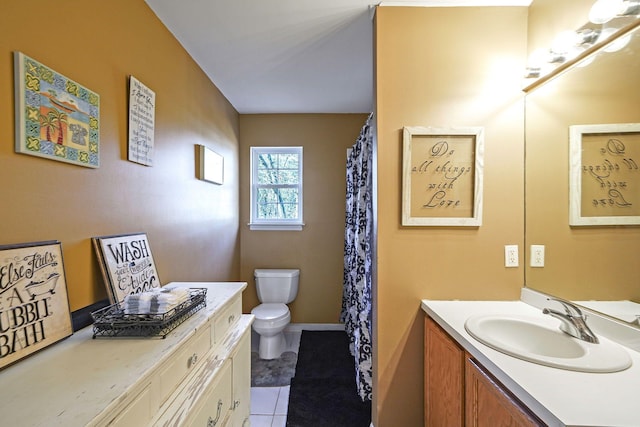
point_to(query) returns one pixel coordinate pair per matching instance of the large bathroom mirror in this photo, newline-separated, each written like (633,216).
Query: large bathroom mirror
(592,264)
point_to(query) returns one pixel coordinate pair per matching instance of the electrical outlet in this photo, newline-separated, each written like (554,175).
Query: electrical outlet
(511,255)
(537,255)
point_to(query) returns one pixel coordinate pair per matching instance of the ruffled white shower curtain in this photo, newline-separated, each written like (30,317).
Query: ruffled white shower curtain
(358,244)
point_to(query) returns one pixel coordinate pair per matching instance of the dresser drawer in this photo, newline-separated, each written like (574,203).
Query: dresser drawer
(138,412)
(184,362)
(214,406)
(227,318)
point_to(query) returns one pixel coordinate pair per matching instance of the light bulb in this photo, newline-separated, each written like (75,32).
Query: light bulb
(604,11)
(618,43)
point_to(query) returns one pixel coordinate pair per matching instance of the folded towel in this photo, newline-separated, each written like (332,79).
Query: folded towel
(158,301)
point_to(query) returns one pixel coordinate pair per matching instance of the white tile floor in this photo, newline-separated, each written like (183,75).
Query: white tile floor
(269,404)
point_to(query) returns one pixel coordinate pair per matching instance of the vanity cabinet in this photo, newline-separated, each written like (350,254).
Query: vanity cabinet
(460,392)
(200,374)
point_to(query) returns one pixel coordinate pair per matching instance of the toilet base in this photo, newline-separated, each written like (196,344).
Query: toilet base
(271,347)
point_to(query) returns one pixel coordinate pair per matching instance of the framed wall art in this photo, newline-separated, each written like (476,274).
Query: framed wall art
(127,265)
(442,176)
(142,113)
(56,118)
(604,174)
(34,305)
(210,165)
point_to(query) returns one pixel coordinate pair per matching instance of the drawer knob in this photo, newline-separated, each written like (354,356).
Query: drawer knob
(192,360)
(212,422)
(232,318)
(236,403)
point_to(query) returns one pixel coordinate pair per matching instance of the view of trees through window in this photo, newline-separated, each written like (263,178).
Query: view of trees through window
(277,185)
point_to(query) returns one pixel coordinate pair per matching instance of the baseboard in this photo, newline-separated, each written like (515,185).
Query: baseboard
(297,327)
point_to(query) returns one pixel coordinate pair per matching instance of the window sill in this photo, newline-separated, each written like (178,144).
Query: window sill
(276,227)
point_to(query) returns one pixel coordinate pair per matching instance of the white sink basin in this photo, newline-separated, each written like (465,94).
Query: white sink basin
(539,340)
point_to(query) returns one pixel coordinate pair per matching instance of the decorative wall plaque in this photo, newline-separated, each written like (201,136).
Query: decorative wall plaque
(56,118)
(127,265)
(34,307)
(210,165)
(142,105)
(442,176)
(604,187)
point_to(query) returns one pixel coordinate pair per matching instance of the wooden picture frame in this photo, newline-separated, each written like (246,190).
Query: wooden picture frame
(34,303)
(442,176)
(56,118)
(604,174)
(126,264)
(210,165)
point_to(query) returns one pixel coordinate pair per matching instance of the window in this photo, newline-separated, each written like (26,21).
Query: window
(276,188)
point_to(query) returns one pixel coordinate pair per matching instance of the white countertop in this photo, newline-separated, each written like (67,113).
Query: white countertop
(559,397)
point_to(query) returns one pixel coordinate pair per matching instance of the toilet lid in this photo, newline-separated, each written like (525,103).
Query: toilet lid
(270,311)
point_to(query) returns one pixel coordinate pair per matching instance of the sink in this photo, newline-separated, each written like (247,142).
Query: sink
(539,340)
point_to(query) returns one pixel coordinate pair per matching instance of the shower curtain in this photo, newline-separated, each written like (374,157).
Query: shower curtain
(358,243)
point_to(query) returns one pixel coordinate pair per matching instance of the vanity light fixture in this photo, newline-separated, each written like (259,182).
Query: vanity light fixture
(570,44)
(617,44)
(604,11)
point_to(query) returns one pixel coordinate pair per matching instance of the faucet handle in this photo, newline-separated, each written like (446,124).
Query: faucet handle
(570,308)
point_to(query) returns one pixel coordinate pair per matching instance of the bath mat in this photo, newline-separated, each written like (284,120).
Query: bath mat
(325,354)
(323,391)
(273,372)
(326,402)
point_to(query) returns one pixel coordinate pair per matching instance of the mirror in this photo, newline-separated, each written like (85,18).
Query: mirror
(597,266)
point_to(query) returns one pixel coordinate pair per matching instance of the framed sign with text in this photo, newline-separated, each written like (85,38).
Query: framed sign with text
(604,174)
(127,265)
(142,117)
(34,305)
(442,176)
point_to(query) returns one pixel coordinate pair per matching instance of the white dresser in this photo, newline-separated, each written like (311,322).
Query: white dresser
(199,375)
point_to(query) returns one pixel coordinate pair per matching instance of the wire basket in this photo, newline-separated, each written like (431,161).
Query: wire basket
(112,321)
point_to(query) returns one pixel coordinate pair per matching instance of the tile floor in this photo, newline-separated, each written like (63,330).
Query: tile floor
(269,404)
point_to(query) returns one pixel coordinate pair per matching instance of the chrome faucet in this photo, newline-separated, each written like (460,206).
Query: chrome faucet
(574,322)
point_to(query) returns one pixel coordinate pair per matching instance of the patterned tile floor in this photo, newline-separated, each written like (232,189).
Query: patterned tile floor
(269,404)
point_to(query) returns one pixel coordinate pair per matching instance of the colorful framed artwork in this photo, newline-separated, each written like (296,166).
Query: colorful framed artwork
(126,264)
(210,165)
(34,305)
(56,118)
(604,174)
(442,176)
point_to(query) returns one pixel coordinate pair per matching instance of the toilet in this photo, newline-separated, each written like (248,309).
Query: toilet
(276,288)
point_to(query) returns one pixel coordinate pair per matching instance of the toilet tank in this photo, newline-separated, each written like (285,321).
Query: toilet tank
(277,285)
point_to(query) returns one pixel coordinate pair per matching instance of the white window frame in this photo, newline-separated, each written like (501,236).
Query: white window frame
(274,224)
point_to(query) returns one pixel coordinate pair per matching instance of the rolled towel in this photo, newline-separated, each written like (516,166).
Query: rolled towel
(157,301)
(138,303)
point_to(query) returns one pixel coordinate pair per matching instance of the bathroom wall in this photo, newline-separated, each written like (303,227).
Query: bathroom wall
(459,66)
(317,250)
(192,226)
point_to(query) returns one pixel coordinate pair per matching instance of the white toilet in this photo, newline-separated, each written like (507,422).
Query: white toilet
(276,288)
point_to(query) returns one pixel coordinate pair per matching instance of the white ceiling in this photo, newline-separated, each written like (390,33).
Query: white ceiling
(287,56)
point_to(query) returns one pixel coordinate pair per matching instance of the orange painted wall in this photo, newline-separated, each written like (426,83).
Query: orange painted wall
(192,226)
(442,67)
(317,250)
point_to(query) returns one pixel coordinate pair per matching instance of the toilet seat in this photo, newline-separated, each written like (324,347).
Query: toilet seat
(270,311)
